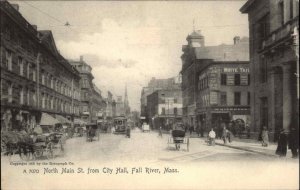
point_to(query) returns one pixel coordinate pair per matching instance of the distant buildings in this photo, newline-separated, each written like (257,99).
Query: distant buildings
(35,79)
(153,85)
(274,62)
(214,78)
(164,107)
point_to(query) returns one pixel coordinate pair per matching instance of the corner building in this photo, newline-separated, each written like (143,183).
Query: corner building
(274,64)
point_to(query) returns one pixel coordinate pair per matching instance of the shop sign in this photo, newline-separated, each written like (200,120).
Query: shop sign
(230,109)
(213,98)
(236,70)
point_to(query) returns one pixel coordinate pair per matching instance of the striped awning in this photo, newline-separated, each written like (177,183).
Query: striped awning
(48,119)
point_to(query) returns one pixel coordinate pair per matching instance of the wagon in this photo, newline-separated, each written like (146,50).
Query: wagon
(31,147)
(92,132)
(178,138)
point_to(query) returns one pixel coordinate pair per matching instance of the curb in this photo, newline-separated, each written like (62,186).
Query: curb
(246,149)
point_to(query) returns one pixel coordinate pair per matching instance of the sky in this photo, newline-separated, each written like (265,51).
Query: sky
(129,42)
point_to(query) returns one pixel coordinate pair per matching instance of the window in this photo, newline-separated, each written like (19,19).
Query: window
(248,99)
(28,97)
(10,90)
(237,79)
(33,75)
(51,82)
(263,70)
(291,9)
(263,29)
(28,70)
(22,96)
(34,98)
(223,79)
(237,98)
(281,12)
(43,78)
(175,111)
(52,103)
(223,98)
(163,111)
(249,79)
(175,100)
(21,66)
(9,60)
(43,101)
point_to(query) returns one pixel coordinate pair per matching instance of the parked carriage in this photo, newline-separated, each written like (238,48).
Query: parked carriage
(92,132)
(178,138)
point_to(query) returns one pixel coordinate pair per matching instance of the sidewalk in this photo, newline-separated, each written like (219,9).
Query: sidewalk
(253,145)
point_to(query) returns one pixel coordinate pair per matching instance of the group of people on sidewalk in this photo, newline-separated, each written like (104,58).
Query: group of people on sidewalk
(288,140)
(285,140)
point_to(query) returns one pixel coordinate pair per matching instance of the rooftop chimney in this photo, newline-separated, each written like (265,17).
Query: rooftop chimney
(81,58)
(236,40)
(16,6)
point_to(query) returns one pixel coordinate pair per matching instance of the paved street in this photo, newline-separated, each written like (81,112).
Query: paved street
(150,147)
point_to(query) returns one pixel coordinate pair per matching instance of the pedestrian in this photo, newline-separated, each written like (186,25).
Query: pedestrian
(229,136)
(191,129)
(293,140)
(282,144)
(198,130)
(211,137)
(160,132)
(265,137)
(224,135)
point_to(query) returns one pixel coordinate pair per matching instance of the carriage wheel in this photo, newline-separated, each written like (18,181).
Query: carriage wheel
(25,154)
(38,152)
(49,150)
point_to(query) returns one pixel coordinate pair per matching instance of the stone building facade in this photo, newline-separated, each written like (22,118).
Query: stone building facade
(273,64)
(92,105)
(197,56)
(35,78)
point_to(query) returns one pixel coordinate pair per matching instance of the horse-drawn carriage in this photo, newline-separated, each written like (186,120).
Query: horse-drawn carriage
(32,146)
(92,132)
(178,138)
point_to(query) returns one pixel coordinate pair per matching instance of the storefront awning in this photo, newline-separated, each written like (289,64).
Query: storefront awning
(79,121)
(48,120)
(62,119)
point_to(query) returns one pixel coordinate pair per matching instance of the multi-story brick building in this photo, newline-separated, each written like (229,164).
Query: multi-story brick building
(223,94)
(273,64)
(92,103)
(35,78)
(196,56)
(164,107)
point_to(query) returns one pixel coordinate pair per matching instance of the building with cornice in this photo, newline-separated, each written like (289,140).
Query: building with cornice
(36,80)
(274,64)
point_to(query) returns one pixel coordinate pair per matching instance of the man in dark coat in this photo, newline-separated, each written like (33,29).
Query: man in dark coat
(294,142)
(282,144)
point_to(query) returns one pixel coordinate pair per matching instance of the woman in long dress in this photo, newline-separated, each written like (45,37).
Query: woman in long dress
(265,137)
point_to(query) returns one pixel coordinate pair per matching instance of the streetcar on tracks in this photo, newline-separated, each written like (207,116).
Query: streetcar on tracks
(120,124)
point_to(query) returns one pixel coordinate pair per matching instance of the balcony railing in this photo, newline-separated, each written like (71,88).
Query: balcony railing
(281,33)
